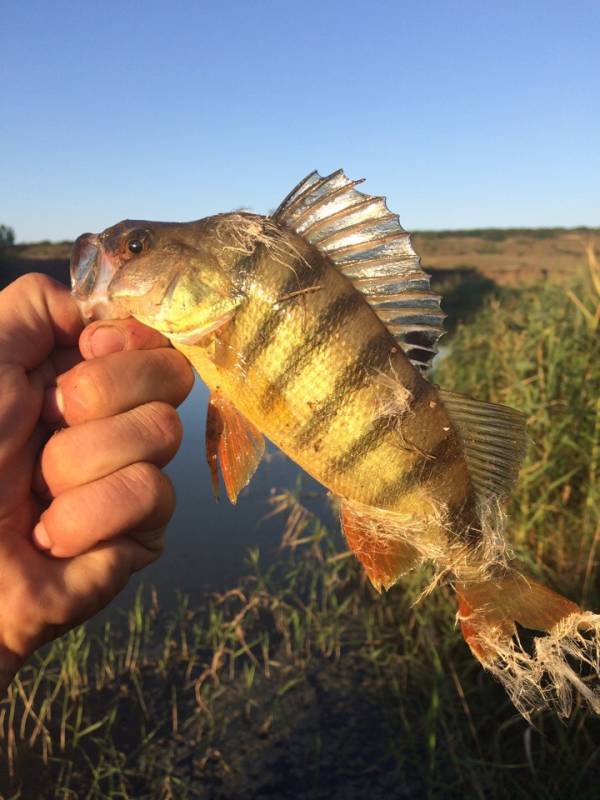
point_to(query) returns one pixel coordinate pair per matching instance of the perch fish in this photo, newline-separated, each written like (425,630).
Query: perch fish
(315,327)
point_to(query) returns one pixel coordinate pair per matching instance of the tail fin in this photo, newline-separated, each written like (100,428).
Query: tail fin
(562,659)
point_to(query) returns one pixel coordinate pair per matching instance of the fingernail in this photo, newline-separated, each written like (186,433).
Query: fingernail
(54,405)
(107,339)
(40,536)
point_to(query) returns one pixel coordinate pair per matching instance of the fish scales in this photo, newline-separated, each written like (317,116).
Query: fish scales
(309,352)
(315,327)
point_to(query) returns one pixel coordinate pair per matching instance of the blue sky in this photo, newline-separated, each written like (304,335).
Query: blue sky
(464,114)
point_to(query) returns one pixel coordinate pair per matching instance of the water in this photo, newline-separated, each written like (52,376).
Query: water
(208,541)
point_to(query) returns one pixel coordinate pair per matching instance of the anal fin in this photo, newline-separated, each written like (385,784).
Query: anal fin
(234,444)
(378,545)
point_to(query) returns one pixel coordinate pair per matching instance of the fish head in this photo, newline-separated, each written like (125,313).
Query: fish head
(167,275)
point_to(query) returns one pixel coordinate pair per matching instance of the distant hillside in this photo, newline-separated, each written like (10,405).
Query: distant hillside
(507,256)
(43,250)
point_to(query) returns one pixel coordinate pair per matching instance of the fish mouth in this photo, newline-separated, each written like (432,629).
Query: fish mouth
(92,270)
(83,266)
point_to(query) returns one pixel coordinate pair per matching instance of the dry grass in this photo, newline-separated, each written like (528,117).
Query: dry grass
(509,258)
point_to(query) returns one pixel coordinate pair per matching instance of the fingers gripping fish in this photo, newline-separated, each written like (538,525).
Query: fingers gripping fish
(315,327)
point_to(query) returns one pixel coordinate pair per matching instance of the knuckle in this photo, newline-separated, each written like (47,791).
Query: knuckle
(160,423)
(53,460)
(176,368)
(153,543)
(146,483)
(185,371)
(89,387)
(63,519)
(160,362)
(34,282)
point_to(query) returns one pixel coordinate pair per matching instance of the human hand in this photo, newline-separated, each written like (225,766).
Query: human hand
(82,508)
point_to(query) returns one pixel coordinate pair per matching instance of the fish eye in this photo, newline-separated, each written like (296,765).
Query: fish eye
(135,246)
(137,240)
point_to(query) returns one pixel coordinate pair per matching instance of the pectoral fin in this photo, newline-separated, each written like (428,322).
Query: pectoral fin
(235,443)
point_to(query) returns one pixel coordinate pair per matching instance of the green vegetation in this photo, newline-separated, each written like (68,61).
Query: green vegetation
(539,351)
(302,682)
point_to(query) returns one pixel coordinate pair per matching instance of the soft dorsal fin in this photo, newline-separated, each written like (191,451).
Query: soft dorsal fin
(493,438)
(366,242)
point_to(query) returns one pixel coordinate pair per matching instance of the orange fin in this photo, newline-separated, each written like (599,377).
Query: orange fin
(543,648)
(235,443)
(378,544)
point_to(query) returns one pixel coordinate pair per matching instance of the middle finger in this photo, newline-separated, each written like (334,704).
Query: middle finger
(89,451)
(118,382)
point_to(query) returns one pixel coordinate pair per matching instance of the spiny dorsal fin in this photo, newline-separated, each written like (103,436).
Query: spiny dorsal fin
(366,242)
(493,438)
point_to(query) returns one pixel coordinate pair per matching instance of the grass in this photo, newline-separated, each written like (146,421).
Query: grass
(539,351)
(301,682)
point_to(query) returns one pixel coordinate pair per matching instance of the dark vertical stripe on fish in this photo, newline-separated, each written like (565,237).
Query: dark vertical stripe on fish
(304,276)
(372,357)
(328,322)
(362,446)
(441,456)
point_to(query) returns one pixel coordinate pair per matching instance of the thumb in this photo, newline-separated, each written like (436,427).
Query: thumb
(112,336)
(37,314)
